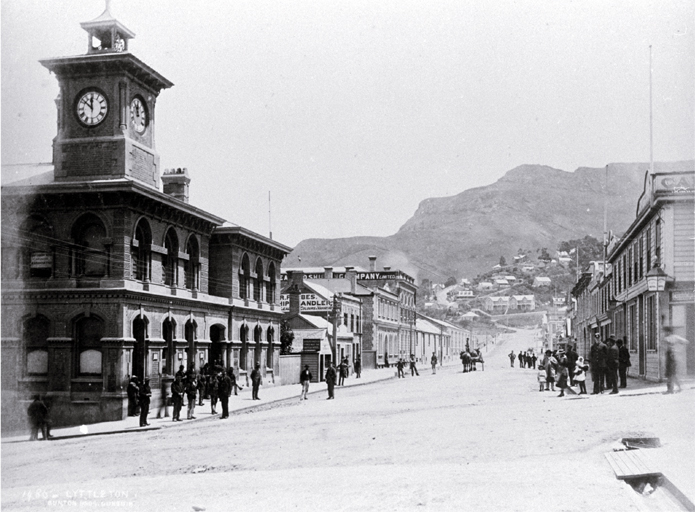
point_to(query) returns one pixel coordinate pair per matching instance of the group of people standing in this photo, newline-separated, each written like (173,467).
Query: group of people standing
(564,368)
(609,362)
(400,366)
(527,359)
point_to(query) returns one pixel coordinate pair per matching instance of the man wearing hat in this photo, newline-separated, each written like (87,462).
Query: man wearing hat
(612,362)
(597,356)
(255,381)
(304,379)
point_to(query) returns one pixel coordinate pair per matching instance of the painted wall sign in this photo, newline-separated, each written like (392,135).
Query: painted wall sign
(307,302)
(683,296)
(311,345)
(41,260)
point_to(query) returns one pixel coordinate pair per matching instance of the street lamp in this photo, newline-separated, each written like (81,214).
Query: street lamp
(656,279)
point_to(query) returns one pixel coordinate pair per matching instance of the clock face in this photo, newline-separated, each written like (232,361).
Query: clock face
(92,108)
(138,115)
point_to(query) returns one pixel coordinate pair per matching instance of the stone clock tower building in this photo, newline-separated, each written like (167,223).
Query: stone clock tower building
(108,274)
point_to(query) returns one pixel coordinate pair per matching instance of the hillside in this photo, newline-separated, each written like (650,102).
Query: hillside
(530,207)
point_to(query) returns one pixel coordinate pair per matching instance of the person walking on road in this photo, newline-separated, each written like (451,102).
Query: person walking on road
(433,361)
(214,390)
(358,368)
(512,356)
(550,365)
(580,375)
(671,363)
(343,370)
(330,381)
(541,378)
(133,393)
(256,381)
(191,394)
(304,379)
(612,365)
(177,392)
(623,362)
(224,390)
(562,372)
(163,411)
(533,359)
(145,397)
(597,358)
(400,365)
(413,368)
(38,419)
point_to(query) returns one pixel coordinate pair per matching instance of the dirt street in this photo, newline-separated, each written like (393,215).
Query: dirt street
(486,440)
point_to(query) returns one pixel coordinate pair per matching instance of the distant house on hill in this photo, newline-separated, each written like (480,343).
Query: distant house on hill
(464,294)
(510,279)
(496,304)
(558,301)
(519,258)
(502,283)
(541,281)
(485,285)
(522,302)
(528,268)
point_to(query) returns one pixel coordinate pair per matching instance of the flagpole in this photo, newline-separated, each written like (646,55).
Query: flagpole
(651,117)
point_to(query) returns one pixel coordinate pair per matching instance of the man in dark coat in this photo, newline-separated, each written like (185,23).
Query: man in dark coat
(145,396)
(512,356)
(177,392)
(256,381)
(191,394)
(213,390)
(38,419)
(342,371)
(624,362)
(533,359)
(413,368)
(597,357)
(330,381)
(358,368)
(399,366)
(612,364)
(224,390)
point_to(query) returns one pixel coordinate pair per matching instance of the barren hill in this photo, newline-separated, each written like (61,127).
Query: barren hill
(530,207)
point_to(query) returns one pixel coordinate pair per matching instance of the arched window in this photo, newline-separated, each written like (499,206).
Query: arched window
(270,338)
(139,359)
(88,334)
(244,277)
(171,260)
(35,334)
(140,251)
(258,288)
(192,264)
(191,335)
(257,336)
(91,255)
(270,291)
(244,337)
(37,254)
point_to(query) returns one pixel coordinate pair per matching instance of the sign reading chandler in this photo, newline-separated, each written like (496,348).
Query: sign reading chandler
(307,302)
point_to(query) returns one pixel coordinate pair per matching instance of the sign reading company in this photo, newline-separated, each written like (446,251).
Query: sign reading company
(307,302)
(676,184)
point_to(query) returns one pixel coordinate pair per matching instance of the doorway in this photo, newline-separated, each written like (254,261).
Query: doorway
(139,363)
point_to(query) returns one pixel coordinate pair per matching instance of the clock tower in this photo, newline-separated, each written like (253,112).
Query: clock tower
(106,109)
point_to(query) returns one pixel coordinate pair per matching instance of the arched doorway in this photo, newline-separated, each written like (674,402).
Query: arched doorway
(169,355)
(257,334)
(191,335)
(217,348)
(139,363)
(244,337)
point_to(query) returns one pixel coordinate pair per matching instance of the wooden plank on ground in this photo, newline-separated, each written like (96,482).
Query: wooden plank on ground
(630,464)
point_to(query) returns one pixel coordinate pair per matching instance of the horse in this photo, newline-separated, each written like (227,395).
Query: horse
(466,361)
(477,357)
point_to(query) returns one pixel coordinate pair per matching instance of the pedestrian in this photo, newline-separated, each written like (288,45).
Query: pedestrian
(512,356)
(358,368)
(571,362)
(534,358)
(330,381)
(433,361)
(580,375)
(399,366)
(304,379)
(413,367)
(597,359)
(145,397)
(256,381)
(541,378)
(671,363)
(213,388)
(37,412)
(225,386)
(235,382)
(191,394)
(177,392)
(133,391)
(612,365)
(182,374)
(623,362)
(202,382)
(550,365)
(163,399)
(562,373)
(342,371)
(522,359)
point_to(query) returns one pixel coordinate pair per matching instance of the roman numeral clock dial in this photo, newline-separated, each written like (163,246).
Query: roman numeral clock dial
(138,115)
(92,108)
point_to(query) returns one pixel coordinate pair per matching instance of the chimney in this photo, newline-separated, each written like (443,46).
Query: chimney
(351,275)
(387,269)
(296,280)
(328,272)
(175,183)
(372,263)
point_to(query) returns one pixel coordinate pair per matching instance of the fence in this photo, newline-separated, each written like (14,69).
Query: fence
(290,367)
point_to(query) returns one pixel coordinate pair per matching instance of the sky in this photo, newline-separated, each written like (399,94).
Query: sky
(347,114)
